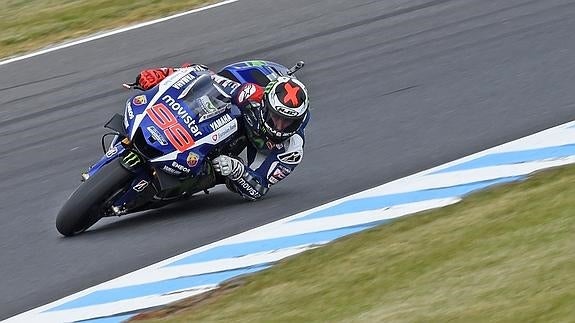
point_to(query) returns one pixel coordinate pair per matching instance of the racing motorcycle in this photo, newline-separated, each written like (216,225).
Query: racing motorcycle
(160,149)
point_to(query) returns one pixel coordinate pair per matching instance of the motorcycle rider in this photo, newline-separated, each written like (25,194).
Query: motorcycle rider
(274,119)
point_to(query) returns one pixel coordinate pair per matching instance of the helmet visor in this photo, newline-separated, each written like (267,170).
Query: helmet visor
(281,125)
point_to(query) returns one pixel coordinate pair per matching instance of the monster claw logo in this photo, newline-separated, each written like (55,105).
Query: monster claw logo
(131,159)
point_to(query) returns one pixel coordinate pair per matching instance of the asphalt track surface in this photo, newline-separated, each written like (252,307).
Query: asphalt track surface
(396,86)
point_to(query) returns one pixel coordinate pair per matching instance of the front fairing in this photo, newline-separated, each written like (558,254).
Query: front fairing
(177,124)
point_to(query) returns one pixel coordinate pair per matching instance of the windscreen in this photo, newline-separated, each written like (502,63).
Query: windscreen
(203,97)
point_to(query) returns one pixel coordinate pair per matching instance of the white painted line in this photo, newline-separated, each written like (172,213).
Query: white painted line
(207,267)
(456,178)
(288,229)
(345,220)
(564,136)
(109,309)
(112,32)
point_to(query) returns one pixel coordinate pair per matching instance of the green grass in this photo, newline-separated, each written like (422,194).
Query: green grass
(33,24)
(502,255)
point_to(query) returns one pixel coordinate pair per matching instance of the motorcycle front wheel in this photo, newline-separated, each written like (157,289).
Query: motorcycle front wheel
(85,206)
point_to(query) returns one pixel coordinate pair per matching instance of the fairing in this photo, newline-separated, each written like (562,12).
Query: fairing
(180,121)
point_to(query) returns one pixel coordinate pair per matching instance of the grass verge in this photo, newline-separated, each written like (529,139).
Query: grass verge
(504,255)
(27,25)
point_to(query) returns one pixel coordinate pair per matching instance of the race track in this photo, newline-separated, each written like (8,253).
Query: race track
(397,87)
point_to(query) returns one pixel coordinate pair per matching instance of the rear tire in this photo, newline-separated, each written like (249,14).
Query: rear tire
(84,207)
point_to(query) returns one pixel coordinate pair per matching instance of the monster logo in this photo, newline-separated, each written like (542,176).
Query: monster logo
(131,159)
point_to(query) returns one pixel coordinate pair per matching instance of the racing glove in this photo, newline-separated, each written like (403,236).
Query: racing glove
(228,166)
(147,79)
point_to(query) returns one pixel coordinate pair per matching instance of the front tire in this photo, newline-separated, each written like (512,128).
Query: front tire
(85,206)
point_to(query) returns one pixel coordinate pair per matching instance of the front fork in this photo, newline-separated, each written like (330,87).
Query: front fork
(138,193)
(140,189)
(146,189)
(117,149)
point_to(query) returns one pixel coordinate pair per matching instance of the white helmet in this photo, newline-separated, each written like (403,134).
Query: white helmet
(284,109)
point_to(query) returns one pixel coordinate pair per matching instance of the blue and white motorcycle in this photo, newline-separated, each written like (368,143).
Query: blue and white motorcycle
(161,147)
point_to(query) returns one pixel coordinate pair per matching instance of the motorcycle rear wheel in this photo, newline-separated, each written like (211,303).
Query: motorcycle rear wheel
(85,206)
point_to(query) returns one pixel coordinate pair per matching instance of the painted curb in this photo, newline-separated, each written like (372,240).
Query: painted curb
(204,268)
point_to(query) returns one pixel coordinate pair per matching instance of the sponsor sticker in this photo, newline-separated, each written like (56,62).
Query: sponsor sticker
(222,134)
(230,128)
(131,159)
(246,92)
(287,111)
(192,159)
(182,114)
(225,82)
(141,186)
(209,115)
(170,170)
(206,104)
(183,81)
(130,112)
(272,145)
(278,174)
(111,152)
(220,122)
(157,135)
(180,167)
(140,100)
(248,188)
(197,68)
(292,158)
